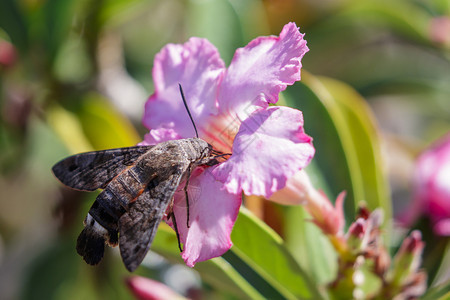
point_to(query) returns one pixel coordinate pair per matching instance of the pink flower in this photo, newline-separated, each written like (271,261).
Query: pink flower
(440,30)
(432,186)
(409,257)
(299,190)
(230,107)
(147,289)
(8,53)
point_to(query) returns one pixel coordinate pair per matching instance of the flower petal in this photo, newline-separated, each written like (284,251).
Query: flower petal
(261,70)
(197,66)
(298,190)
(269,148)
(431,185)
(148,289)
(156,136)
(442,227)
(212,213)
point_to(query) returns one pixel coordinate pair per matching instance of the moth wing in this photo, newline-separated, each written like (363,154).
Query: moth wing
(92,170)
(138,226)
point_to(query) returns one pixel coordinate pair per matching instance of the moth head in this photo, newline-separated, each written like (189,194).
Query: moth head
(203,148)
(209,156)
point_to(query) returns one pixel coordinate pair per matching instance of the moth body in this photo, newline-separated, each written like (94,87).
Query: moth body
(138,184)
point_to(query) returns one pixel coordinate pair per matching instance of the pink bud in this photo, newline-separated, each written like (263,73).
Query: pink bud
(147,289)
(382,262)
(356,233)
(440,30)
(299,190)
(408,258)
(326,216)
(357,229)
(363,212)
(8,54)
(413,244)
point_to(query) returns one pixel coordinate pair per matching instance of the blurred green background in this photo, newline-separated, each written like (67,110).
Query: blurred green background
(76,74)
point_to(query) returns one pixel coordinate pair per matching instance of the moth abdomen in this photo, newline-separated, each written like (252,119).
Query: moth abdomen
(103,221)
(91,242)
(109,206)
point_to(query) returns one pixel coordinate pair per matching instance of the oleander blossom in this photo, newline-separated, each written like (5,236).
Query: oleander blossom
(149,289)
(230,107)
(432,187)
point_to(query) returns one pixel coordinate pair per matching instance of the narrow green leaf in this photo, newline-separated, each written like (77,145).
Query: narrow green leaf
(69,129)
(440,292)
(258,265)
(401,15)
(436,254)
(253,276)
(323,121)
(45,278)
(103,125)
(308,245)
(12,21)
(217,272)
(207,19)
(348,155)
(346,141)
(57,16)
(262,249)
(364,136)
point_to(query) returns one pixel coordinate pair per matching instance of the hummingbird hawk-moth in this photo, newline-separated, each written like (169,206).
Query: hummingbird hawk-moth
(138,185)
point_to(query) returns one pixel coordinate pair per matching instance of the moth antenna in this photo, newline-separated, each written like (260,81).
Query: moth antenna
(187,108)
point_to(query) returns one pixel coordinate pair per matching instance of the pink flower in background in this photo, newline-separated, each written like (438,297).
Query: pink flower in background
(148,289)
(432,186)
(8,53)
(440,30)
(230,107)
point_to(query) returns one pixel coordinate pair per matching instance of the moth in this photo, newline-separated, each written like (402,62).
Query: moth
(138,187)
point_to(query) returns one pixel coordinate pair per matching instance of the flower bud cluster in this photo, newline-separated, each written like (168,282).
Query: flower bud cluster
(400,278)
(361,250)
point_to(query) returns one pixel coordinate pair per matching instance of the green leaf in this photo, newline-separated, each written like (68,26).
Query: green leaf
(252,15)
(305,240)
(93,124)
(69,129)
(72,64)
(308,245)
(258,265)
(346,142)
(264,251)
(322,121)
(436,254)
(46,279)
(361,125)
(244,20)
(369,51)
(57,17)
(207,19)
(401,15)
(103,125)
(59,273)
(217,272)
(348,158)
(13,22)
(440,292)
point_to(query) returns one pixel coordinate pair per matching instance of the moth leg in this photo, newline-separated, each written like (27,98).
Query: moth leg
(172,216)
(186,195)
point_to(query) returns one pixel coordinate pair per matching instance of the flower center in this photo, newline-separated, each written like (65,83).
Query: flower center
(221,131)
